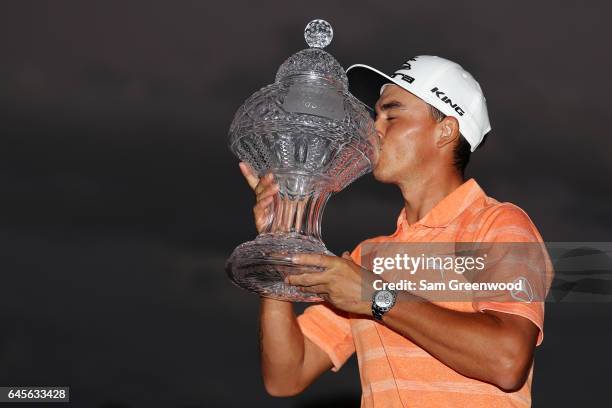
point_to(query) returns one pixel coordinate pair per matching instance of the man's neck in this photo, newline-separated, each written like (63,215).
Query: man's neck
(421,196)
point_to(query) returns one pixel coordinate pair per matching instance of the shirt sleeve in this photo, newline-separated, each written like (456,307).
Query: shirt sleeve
(330,329)
(527,261)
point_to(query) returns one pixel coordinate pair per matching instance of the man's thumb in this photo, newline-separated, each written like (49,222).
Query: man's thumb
(249,175)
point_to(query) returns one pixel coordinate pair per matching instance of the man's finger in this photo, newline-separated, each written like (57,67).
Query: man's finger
(347,255)
(320,260)
(249,175)
(318,289)
(267,192)
(262,212)
(265,182)
(306,279)
(263,203)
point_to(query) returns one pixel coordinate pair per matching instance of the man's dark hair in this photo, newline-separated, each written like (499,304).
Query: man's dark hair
(462,148)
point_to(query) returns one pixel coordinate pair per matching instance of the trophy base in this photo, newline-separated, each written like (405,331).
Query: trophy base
(261,265)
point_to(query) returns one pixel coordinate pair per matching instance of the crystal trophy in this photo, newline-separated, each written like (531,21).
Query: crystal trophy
(315,138)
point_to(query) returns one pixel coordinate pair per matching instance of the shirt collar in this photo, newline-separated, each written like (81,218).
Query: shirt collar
(449,208)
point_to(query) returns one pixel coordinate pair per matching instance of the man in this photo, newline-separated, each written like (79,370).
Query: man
(430,115)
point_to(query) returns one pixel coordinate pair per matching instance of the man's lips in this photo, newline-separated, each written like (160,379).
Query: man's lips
(376,153)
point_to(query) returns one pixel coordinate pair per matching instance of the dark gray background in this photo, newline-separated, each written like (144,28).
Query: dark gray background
(121,202)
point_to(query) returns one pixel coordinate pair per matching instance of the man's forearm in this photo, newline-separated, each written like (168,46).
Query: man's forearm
(281,346)
(477,345)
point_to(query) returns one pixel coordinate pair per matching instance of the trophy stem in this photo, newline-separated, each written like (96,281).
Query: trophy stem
(261,265)
(298,214)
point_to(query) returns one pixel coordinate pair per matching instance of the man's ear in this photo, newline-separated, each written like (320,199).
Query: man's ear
(448,131)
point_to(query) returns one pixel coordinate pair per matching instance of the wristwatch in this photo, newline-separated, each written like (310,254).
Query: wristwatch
(382,302)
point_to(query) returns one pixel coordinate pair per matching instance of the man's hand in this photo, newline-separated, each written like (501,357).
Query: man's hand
(265,189)
(343,283)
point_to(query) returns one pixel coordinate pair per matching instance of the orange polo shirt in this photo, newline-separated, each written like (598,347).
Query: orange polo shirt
(395,372)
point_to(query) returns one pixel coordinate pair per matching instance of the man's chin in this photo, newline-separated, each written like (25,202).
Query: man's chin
(380,176)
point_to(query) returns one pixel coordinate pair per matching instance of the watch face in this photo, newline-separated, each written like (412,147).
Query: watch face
(383,298)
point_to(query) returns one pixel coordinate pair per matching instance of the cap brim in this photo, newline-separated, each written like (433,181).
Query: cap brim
(365,83)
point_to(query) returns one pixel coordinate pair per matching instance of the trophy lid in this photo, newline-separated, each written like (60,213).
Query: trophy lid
(314,61)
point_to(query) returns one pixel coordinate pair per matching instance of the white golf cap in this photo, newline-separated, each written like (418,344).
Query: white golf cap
(439,82)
